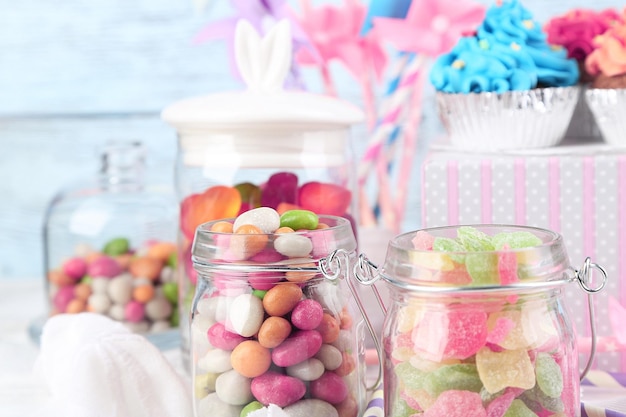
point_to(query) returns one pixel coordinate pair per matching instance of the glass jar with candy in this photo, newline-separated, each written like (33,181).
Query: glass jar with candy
(271,318)
(476,324)
(110,245)
(261,147)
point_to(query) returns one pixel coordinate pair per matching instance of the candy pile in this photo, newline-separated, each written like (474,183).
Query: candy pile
(281,338)
(480,354)
(135,286)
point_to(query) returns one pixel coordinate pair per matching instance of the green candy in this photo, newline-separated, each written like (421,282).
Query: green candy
(259,293)
(483,268)
(536,400)
(86,280)
(519,409)
(412,377)
(515,240)
(170,291)
(463,377)
(299,220)
(473,240)
(250,194)
(549,376)
(402,409)
(117,246)
(253,406)
(444,244)
(175,318)
(172,260)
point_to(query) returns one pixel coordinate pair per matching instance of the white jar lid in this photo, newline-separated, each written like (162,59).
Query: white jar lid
(263,64)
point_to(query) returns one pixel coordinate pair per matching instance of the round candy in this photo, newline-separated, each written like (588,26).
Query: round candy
(281,299)
(299,220)
(307,314)
(222,338)
(134,312)
(311,407)
(265,218)
(75,268)
(300,346)
(273,332)
(116,246)
(233,388)
(330,387)
(104,266)
(274,388)
(246,314)
(308,370)
(293,245)
(250,359)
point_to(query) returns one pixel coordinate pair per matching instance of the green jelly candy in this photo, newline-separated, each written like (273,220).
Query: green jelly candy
(170,291)
(515,240)
(402,409)
(519,409)
(86,280)
(253,406)
(250,194)
(463,377)
(537,401)
(473,240)
(299,220)
(117,246)
(549,376)
(444,244)
(483,268)
(172,260)
(259,293)
(410,376)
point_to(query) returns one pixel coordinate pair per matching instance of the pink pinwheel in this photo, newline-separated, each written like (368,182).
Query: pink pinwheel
(258,13)
(431,27)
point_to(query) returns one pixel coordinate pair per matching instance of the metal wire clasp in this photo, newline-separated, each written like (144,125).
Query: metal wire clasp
(584,277)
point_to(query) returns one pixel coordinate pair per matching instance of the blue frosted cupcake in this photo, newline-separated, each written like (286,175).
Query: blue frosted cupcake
(506,87)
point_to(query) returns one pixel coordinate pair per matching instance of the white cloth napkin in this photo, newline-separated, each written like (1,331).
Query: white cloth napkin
(95,367)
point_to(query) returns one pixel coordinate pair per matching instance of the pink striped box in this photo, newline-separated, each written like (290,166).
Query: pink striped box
(577,191)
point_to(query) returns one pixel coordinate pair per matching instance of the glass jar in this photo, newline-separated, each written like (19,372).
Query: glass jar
(110,245)
(477,325)
(270,329)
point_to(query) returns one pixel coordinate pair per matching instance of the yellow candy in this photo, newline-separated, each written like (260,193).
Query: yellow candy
(509,368)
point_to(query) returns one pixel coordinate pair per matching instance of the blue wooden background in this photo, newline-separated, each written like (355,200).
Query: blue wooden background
(75,73)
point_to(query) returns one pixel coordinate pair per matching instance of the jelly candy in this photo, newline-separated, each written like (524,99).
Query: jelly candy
(411,377)
(519,409)
(457,276)
(520,371)
(299,220)
(507,266)
(250,196)
(116,246)
(457,404)
(431,260)
(473,240)
(537,401)
(549,377)
(516,337)
(215,203)
(281,187)
(499,328)
(462,377)
(500,404)
(423,240)
(324,198)
(444,244)
(515,240)
(451,334)
(418,399)
(402,409)
(482,267)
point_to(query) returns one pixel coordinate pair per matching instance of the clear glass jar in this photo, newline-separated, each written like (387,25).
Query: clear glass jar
(479,332)
(269,329)
(110,245)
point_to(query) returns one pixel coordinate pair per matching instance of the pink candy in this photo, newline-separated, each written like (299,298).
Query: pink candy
(104,266)
(307,314)
(330,387)
(274,388)
(221,338)
(62,298)
(507,266)
(134,311)
(263,280)
(457,404)
(75,268)
(300,346)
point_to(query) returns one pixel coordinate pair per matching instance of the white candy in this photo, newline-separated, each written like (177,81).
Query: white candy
(158,308)
(116,312)
(344,341)
(212,406)
(311,407)
(265,218)
(246,315)
(99,303)
(99,285)
(167,274)
(223,308)
(330,356)
(206,307)
(139,327)
(293,245)
(234,388)
(308,370)
(120,289)
(160,326)
(216,360)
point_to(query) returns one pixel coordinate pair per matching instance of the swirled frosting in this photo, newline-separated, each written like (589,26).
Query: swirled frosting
(478,66)
(576,30)
(609,57)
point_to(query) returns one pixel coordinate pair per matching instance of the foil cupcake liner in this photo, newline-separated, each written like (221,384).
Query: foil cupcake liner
(536,118)
(609,109)
(583,126)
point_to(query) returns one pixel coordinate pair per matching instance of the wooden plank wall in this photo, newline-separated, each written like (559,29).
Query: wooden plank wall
(75,73)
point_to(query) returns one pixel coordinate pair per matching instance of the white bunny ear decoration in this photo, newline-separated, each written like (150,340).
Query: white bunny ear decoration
(263,63)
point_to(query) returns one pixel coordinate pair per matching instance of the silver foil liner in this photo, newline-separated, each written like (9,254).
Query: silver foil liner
(583,126)
(609,109)
(481,122)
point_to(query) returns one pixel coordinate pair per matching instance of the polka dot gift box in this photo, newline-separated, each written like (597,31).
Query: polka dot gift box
(579,192)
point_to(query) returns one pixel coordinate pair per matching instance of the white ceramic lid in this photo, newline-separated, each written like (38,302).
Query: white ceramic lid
(263,64)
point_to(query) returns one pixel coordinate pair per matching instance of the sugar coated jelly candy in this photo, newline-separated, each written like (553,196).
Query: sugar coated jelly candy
(215,203)
(444,244)
(520,371)
(483,268)
(549,377)
(423,240)
(519,409)
(462,377)
(507,266)
(281,187)
(410,376)
(473,240)
(457,404)
(324,198)
(515,240)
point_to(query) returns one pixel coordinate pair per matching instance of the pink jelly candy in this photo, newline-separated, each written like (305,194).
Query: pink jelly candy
(507,266)
(330,387)
(423,240)
(281,187)
(104,266)
(457,404)
(501,329)
(75,268)
(450,334)
(498,406)
(324,198)
(274,388)
(221,338)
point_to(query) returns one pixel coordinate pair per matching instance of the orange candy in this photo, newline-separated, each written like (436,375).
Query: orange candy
(161,251)
(217,202)
(283,207)
(247,241)
(124,260)
(347,365)
(284,229)
(281,299)
(143,293)
(222,227)
(300,276)
(273,332)
(82,291)
(328,328)
(250,359)
(145,267)
(58,277)
(75,306)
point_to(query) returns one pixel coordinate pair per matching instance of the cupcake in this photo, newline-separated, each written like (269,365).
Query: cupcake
(607,95)
(505,87)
